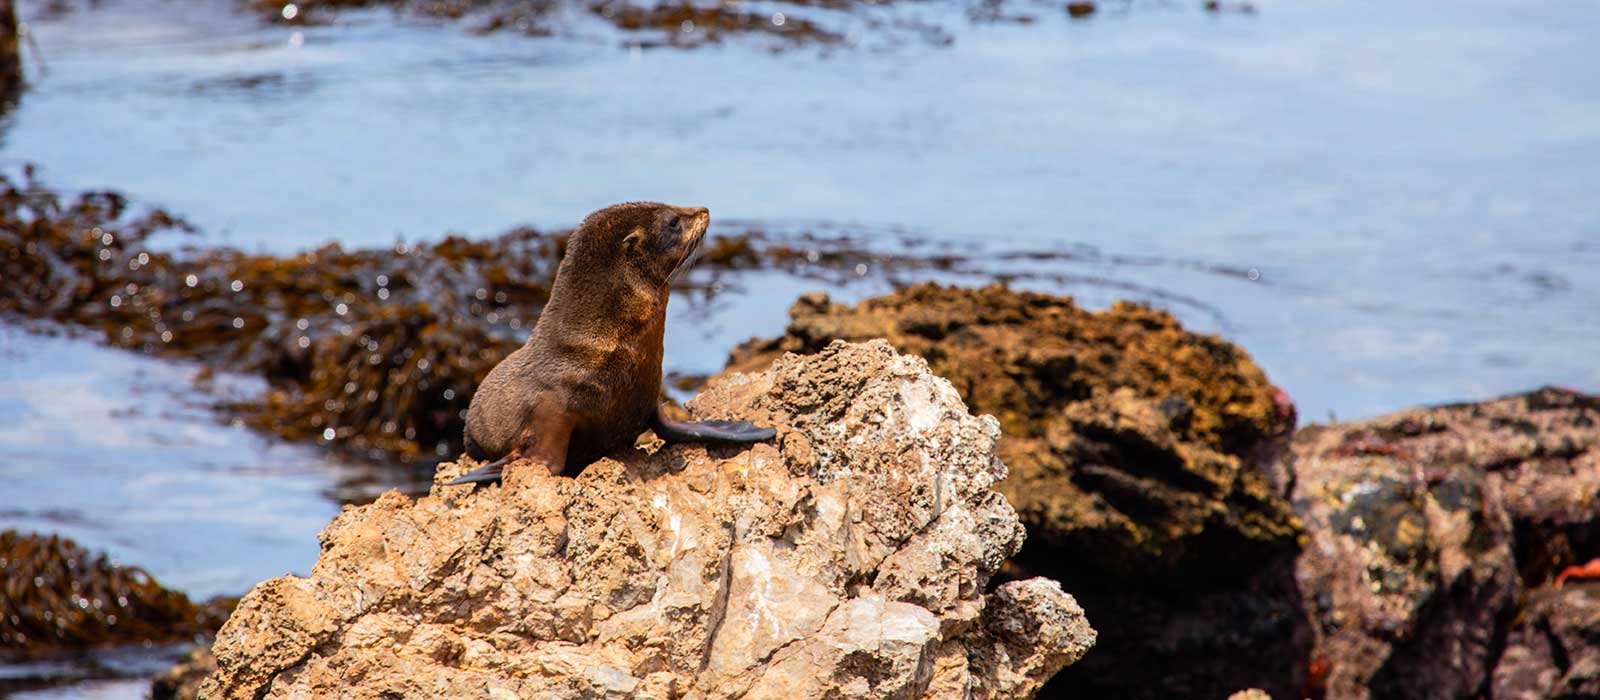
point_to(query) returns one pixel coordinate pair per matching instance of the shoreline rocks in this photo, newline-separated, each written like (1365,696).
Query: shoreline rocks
(1417,558)
(1140,458)
(1430,528)
(849,558)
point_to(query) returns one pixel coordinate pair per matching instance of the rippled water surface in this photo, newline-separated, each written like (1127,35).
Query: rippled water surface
(1415,188)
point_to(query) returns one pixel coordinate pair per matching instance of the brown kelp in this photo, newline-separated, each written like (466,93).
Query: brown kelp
(10,54)
(676,24)
(781,24)
(375,350)
(56,595)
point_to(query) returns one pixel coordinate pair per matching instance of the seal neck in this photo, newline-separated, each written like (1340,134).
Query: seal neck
(612,303)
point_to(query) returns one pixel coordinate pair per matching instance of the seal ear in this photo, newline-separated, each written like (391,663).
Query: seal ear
(634,240)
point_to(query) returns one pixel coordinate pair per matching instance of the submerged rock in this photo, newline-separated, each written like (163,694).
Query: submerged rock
(57,596)
(1420,523)
(1137,453)
(848,558)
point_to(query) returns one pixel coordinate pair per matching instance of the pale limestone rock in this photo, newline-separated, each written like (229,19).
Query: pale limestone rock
(847,559)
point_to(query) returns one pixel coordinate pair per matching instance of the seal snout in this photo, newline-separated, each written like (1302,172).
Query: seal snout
(695,222)
(699,219)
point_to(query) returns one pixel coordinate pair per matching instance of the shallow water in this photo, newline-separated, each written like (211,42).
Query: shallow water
(120,453)
(1413,185)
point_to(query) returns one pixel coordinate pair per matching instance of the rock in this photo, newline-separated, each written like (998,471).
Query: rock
(56,596)
(1420,523)
(1138,454)
(1542,451)
(848,558)
(1551,651)
(1250,694)
(182,681)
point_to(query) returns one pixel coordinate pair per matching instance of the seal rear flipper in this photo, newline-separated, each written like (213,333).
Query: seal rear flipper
(487,474)
(710,431)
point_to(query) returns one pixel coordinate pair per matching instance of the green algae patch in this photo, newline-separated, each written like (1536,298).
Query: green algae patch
(58,595)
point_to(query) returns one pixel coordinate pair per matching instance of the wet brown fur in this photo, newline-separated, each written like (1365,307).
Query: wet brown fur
(588,380)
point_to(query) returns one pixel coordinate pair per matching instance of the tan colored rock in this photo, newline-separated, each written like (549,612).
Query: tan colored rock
(847,559)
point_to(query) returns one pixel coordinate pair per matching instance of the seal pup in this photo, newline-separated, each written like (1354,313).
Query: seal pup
(588,380)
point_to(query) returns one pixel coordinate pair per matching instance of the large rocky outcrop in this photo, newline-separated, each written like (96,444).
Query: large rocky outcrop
(1420,523)
(1138,454)
(848,558)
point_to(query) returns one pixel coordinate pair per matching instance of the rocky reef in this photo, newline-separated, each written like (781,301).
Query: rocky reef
(1553,647)
(1142,462)
(849,558)
(1435,537)
(58,596)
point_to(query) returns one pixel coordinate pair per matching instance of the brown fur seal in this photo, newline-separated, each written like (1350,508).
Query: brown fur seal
(588,381)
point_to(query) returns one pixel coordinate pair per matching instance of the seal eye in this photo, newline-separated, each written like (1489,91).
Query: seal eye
(673,225)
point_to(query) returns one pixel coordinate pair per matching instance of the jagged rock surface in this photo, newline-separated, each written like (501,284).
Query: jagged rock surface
(1553,650)
(1138,454)
(1420,523)
(847,559)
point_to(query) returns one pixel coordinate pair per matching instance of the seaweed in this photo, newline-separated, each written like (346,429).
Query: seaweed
(375,351)
(58,595)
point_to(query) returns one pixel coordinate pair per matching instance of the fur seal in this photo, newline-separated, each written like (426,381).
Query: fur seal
(588,380)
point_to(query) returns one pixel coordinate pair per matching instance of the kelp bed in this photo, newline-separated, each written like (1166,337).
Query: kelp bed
(694,23)
(375,350)
(56,595)
(673,23)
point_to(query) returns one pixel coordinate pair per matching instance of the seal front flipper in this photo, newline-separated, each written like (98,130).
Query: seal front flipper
(487,474)
(710,431)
